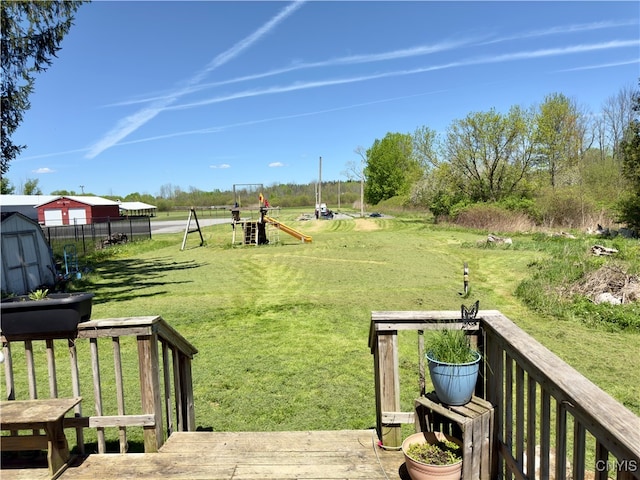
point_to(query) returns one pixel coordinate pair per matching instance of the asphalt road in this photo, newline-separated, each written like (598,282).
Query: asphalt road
(177,226)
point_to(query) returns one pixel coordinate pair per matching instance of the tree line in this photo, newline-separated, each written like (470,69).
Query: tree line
(527,157)
(337,194)
(551,161)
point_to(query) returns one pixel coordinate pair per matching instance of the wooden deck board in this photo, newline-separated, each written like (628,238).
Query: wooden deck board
(346,454)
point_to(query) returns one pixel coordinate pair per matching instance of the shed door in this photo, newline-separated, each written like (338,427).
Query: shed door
(77,216)
(21,262)
(53,217)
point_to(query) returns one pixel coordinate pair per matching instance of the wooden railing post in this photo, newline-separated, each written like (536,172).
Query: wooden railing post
(387,387)
(97,391)
(8,371)
(150,390)
(75,386)
(188,403)
(494,359)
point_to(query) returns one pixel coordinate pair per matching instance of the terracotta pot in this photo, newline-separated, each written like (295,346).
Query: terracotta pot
(423,471)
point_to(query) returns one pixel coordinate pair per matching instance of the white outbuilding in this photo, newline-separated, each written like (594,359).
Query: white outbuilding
(25,204)
(27,263)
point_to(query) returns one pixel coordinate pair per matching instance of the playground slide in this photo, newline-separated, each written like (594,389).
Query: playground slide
(289,230)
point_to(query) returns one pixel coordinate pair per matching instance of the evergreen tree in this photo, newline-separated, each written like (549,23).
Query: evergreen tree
(31,36)
(630,149)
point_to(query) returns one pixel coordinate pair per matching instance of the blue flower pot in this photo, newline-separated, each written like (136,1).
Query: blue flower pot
(454,383)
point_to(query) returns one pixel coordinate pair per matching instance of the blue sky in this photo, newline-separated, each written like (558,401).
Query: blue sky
(210,94)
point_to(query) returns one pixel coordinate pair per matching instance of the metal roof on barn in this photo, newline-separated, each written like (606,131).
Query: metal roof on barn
(86,199)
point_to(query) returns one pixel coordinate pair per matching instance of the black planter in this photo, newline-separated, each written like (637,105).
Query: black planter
(56,316)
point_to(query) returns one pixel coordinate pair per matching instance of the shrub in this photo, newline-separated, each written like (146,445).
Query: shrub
(629,212)
(564,208)
(492,217)
(526,206)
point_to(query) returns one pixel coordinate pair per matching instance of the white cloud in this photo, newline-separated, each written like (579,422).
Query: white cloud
(43,170)
(276,164)
(222,165)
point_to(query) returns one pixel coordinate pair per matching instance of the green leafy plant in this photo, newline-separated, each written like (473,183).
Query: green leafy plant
(451,346)
(39,294)
(443,452)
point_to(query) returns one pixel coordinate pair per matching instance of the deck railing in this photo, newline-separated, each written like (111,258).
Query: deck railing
(160,392)
(551,422)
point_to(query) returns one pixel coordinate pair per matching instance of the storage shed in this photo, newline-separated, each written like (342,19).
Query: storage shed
(27,263)
(77,210)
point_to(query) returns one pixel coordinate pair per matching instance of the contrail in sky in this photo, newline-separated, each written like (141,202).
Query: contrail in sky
(131,123)
(565,29)
(340,61)
(515,56)
(324,83)
(508,57)
(601,65)
(419,50)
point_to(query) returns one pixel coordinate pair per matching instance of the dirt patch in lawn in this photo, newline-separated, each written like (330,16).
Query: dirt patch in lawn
(364,224)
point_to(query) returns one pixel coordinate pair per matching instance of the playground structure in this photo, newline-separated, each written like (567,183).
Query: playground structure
(188,229)
(261,231)
(286,229)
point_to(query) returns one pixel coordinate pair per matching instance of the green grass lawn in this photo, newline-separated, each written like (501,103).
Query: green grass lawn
(282,330)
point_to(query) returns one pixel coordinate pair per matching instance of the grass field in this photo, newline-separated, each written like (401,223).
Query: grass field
(282,330)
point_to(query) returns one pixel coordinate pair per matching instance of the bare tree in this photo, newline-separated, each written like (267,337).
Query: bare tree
(426,148)
(355,171)
(617,114)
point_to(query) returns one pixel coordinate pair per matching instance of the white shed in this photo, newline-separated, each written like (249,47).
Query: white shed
(27,263)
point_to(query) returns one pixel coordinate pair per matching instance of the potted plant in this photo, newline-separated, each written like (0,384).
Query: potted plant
(432,455)
(41,313)
(453,366)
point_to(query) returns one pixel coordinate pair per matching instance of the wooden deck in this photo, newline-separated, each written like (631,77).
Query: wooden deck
(344,454)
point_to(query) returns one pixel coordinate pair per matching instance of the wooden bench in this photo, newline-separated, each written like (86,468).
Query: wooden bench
(35,415)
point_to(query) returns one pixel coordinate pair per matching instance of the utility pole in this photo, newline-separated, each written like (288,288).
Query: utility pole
(320,188)
(361,188)
(363,155)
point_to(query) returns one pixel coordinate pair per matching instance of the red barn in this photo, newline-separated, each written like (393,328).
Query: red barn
(77,210)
